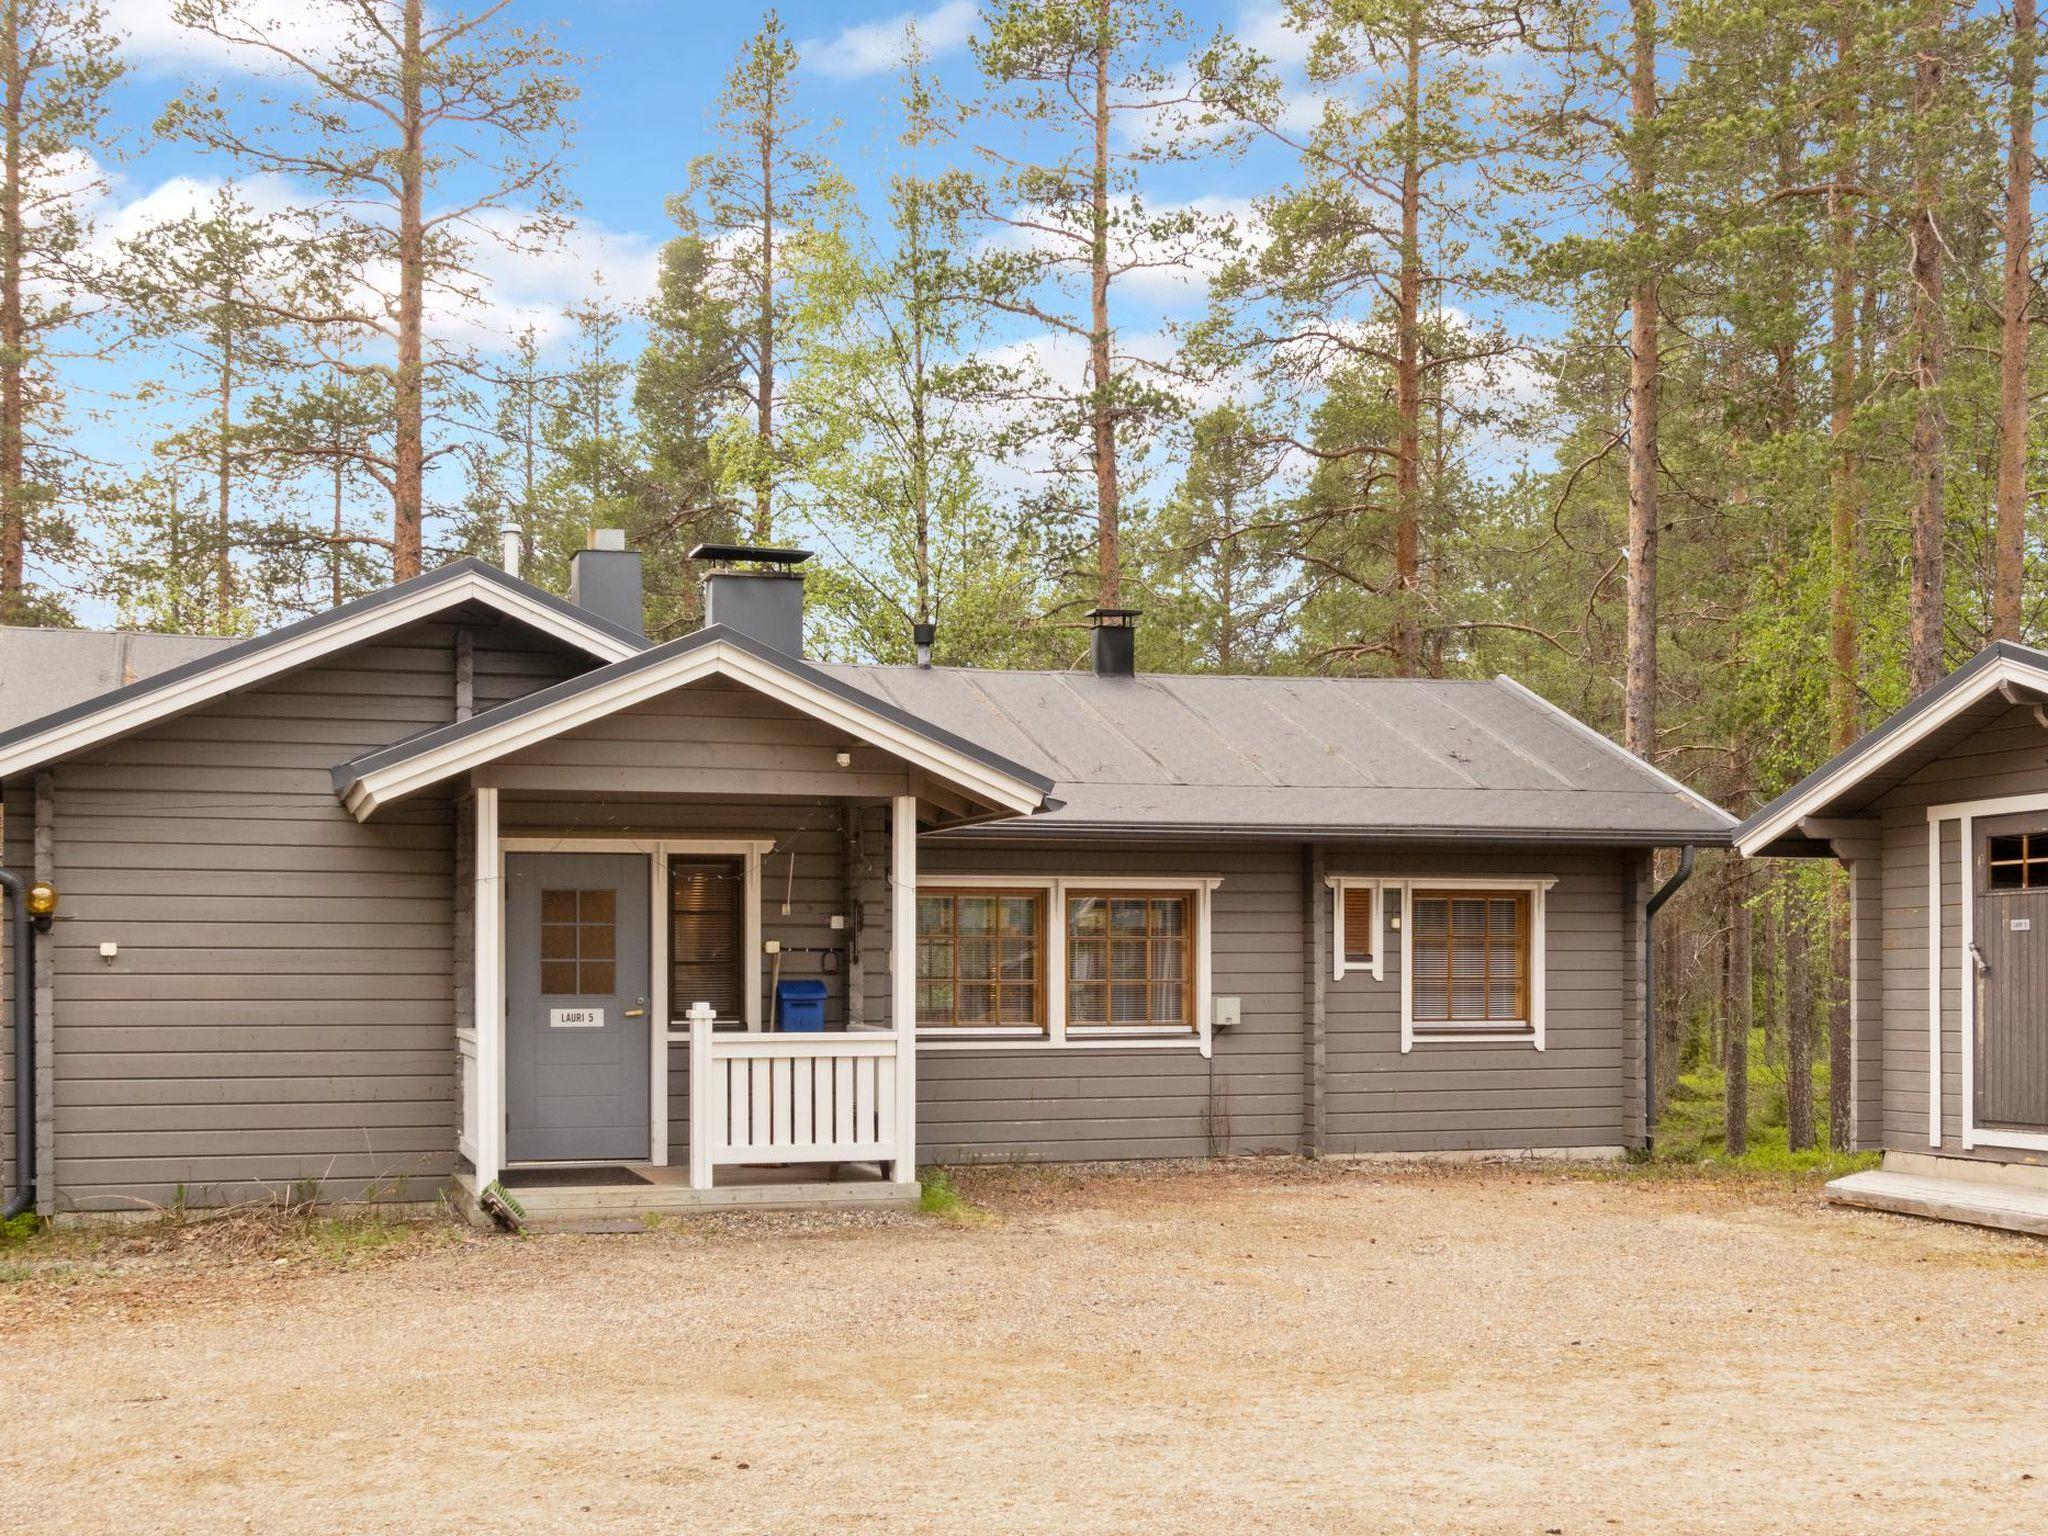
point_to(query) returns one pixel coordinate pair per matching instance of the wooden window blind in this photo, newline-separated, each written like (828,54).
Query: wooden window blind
(1129,960)
(980,960)
(1469,951)
(1357,924)
(707,935)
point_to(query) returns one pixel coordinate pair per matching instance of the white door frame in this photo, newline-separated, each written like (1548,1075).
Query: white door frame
(662,1030)
(1963,813)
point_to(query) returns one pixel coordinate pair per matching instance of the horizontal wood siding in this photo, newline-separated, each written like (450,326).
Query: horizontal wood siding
(2009,756)
(808,831)
(1445,1097)
(1077,1104)
(282,1007)
(17,848)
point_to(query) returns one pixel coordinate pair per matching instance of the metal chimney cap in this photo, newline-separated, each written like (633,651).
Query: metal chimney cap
(752,554)
(1113,617)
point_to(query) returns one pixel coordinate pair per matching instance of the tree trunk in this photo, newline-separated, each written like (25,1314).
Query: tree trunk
(764,339)
(224,481)
(1741,1011)
(1839,1069)
(1798,1028)
(408,489)
(13,330)
(1845,539)
(1408,374)
(1925,601)
(1639,726)
(1108,536)
(2008,565)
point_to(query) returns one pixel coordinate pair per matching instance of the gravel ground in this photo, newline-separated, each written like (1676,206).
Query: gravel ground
(1262,1347)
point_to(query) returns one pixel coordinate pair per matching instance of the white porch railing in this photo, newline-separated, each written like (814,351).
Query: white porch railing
(792,1098)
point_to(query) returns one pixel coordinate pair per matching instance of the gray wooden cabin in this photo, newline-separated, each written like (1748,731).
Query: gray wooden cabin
(467,882)
(1940,815)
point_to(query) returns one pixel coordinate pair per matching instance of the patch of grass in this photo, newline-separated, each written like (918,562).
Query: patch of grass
(347,1239)
(938,1196)
(1690,1132)
(20,1229)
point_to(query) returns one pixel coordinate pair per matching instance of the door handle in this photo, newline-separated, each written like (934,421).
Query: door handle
(639,1012)
(1977,957)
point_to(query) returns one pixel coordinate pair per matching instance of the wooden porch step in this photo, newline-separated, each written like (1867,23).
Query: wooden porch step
(2004,1206)
(620,1208)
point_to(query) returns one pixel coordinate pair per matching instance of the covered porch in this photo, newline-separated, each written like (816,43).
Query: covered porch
(646,859)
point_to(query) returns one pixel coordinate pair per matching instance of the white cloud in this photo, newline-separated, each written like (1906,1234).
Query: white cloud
(158,45)
(1264,29)
(876,47)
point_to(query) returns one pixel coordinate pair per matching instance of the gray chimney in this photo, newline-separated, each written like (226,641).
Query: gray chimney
(1114,649)
(756,592)
(605,579)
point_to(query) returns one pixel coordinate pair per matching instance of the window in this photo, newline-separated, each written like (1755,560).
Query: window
(707,936)
(579,943)
(1354,926)
(1469,963)
(2018,862)
(1128,961)
(981,960)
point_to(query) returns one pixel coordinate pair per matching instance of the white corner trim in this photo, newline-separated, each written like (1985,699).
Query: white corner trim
(1338,884)
(1538,889)
(395,781)
(1933,982)
(319,641)
(1614,747)
(1056,1035)
(2002,673)
(1966,980)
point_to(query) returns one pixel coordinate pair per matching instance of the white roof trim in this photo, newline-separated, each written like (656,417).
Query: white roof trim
(2005,671)
(530,727)
(319,639)
(1615,747)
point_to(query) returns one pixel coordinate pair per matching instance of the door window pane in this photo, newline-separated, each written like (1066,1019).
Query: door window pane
(579,943)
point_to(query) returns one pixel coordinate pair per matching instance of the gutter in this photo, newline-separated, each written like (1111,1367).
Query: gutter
(1651,908)
(21,940)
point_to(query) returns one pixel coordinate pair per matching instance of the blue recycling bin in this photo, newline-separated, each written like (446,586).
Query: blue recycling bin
(800,1005)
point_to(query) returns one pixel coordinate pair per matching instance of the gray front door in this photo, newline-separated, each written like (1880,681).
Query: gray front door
(576,1015)
(2011,1069)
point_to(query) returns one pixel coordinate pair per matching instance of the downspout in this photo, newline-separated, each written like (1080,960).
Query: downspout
(1651,908)
(21,941)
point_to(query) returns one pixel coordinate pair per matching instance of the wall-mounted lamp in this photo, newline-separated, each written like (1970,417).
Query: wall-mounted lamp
(844,759)
(42,904)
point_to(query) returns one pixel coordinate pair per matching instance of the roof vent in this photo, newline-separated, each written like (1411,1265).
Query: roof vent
(1115,647)
(605,580)
(757,592)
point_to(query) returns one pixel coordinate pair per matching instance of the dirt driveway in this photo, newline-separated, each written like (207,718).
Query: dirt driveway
(1242,1348)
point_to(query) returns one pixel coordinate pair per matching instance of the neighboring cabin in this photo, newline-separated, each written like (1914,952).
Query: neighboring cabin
(1941,816)
(427,890)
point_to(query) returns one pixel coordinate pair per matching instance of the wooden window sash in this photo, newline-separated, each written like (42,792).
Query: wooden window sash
(1519,946)
(950,936)
(1358,901)
(1153,940)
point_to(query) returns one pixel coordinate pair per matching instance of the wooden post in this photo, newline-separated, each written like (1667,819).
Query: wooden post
(903,977)
(855,874)
(488,919)
(1315,965)
(46,1002)
(702,1077)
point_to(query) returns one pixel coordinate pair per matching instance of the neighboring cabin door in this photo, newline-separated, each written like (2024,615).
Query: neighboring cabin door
(576,1007)
(2011,1069)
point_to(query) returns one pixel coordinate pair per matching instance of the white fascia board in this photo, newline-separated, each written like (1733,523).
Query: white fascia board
(2001,673)
(382,786)
(323,640)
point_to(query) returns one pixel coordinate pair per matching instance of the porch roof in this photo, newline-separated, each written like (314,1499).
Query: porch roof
(392,773)
(1961,704)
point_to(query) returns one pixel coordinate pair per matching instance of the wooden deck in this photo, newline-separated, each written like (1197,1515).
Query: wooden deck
(2008,1207)
(667,1192)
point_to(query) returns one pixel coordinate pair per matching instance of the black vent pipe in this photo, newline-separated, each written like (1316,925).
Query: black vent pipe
(21,944)
(1651,908)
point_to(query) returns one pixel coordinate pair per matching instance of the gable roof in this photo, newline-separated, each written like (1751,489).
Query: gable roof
(1890,752)
(45,670)
(391,773)
(105,716)
(1302,757)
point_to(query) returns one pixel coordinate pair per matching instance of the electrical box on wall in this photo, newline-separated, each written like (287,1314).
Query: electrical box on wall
(1226,1012)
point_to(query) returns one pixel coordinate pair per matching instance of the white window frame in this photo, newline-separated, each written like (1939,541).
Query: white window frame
(667,1031)
(1377,966)
(1057,1035)
(1527,1031)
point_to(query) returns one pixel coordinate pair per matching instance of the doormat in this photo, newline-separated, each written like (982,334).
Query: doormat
(569,1178)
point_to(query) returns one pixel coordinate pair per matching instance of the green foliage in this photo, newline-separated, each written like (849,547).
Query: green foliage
(938,1196)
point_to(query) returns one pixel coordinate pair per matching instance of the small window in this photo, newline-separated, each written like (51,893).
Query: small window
(981,960)
(2017,862)
(579,943)
(1357,924)
(1470,956)
(1130,961)
(707,935)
